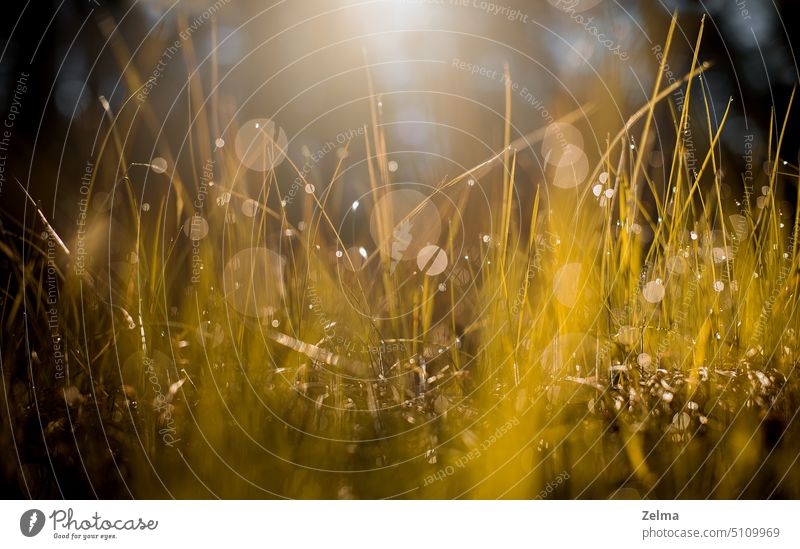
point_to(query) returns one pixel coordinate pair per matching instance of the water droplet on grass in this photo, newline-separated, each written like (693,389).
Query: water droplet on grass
(432,259)
(158,165)
(196,227)
(681,421)
(249,207)
(653,291)
(261,145)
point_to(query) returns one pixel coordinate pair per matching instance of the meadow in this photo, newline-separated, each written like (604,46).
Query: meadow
(612,325)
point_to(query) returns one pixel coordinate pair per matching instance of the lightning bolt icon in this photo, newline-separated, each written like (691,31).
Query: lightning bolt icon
(34,519)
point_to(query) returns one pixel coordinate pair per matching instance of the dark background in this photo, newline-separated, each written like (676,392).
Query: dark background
(63,46)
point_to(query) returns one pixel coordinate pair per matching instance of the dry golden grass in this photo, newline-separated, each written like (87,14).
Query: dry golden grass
(637,344)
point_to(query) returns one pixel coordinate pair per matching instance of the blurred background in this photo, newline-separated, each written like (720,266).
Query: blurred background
(437,63)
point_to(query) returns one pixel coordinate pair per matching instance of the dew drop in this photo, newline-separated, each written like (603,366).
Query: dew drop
(249,207)
(653,291)
(196,227)
(223,198)
(681,421)
(432,258)
(261,145)
(158,165)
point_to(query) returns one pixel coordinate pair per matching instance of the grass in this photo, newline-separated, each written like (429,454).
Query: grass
(635,341)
